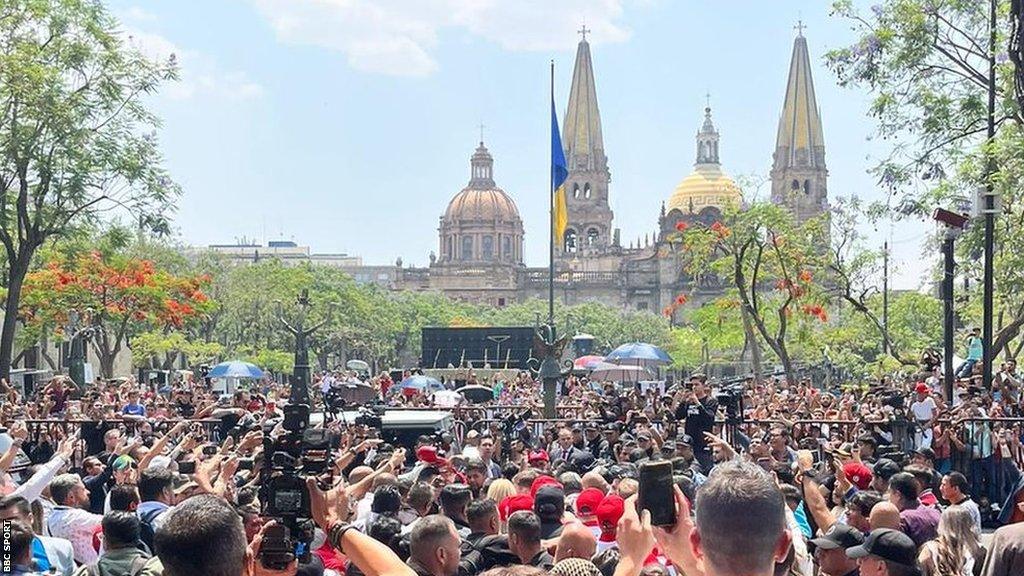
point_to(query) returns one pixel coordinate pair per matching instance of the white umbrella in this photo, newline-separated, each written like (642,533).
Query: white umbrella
(447,398)
(619,373)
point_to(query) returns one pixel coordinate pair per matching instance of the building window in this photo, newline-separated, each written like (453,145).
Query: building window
(506,249)
(487,248)
(586,191)
(807,187)
(795,185)
(448,248)
(501,302)
(467,248)
(641,305)
(570,241)
(575,190)
(592,235)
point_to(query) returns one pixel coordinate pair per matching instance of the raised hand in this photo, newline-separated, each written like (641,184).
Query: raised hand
(634,535)
(674,541)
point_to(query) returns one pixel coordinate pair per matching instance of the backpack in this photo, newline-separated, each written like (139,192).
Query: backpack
(138,564)
(146,530)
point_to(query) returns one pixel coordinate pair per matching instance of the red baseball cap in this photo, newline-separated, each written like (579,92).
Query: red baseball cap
(609,511)
(429,455)
(588,501)
(858,474)
(922,388)
(512,504)
(538,456)
(542,481)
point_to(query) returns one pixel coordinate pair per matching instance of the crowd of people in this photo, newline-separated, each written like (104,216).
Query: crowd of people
(770,477)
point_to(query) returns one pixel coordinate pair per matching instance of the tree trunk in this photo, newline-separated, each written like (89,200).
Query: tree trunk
(751,340)
(18,271)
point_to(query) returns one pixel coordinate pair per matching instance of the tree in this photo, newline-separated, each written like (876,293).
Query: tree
(754,249)
(161,350)
(75,138)
(925,63)
(119,296)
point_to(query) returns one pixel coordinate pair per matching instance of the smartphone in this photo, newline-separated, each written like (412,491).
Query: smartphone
(210,449)
(656,493)
(187,467)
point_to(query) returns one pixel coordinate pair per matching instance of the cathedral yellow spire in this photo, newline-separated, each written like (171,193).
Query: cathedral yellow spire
(581,130)
(799,176)
(800,124)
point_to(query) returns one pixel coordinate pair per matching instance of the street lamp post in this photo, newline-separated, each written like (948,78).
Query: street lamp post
(301,372)
(988,353)
(80,328)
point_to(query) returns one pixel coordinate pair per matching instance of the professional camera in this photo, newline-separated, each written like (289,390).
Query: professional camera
(299,453)
(731,398)
(371,416)
(513,423)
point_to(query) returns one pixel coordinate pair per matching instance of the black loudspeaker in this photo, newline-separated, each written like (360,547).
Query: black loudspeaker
(500,348)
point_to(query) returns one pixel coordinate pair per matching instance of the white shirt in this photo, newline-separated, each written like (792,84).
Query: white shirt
(924,409)
(77,526)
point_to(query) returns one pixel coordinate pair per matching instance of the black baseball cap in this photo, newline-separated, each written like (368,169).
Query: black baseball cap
(927,453)
(885,468)
(839,536)
(889,545)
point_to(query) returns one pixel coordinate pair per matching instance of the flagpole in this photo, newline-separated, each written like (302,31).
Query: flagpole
(551,226)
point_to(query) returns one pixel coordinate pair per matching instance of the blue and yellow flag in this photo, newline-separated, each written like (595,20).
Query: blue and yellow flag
(559,172)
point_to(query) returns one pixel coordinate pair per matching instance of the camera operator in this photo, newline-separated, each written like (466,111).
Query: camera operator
(698,407)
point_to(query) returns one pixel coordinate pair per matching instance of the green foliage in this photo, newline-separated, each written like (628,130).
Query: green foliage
(75,138)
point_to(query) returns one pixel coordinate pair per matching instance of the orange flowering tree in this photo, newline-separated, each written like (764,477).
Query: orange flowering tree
(772,264)
(118,296)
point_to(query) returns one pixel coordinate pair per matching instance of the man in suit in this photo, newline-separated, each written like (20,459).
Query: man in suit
(47,553)
(564,450)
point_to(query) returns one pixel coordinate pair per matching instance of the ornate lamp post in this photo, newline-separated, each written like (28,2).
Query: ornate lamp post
(300,374)
(80,327)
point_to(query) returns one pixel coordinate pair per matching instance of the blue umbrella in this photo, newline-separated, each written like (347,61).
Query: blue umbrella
(235,369)
(639,353)
(421,382)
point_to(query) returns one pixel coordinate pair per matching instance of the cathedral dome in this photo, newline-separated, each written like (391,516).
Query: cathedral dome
(481,224)
(475,205)
(707,186)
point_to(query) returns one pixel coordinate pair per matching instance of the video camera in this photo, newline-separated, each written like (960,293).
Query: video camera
(731,398)
(299,453)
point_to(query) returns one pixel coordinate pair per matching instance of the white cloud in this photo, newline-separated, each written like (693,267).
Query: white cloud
(199,73)
(397,37)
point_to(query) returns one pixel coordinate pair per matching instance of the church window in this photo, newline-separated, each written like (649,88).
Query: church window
(487,248)
(575,190)
(592,235)
(795,185)
(807,186)
(467,248)
(570,241)
(506,249)
(586,191)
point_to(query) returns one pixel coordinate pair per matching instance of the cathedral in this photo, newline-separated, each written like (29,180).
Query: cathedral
(480,252)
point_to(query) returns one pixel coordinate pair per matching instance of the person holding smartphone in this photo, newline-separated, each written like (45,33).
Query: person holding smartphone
(698,408)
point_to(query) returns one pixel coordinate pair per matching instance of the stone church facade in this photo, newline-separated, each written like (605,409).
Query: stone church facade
(479,257)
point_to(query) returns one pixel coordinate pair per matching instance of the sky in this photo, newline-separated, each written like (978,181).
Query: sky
(347,125)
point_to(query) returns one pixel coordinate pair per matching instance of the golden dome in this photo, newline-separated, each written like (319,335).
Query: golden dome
(481,205)
(706,186)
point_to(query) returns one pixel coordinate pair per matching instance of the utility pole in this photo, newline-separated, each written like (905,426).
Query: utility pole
(990,205)
(885,297)
(947,316)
